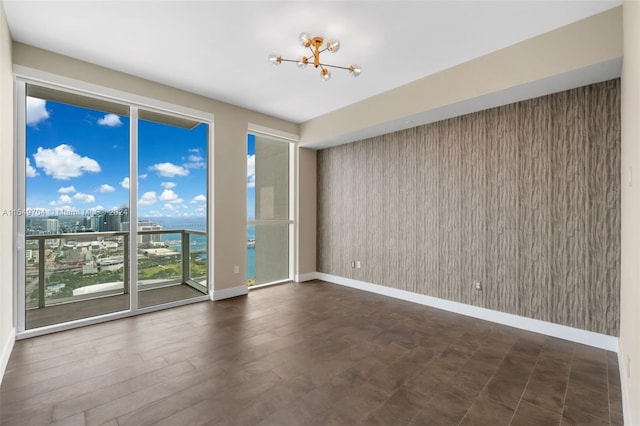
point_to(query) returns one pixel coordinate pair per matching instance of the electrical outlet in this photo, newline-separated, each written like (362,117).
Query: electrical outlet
(236,269)
(353,263)
(358,264)
(477,285)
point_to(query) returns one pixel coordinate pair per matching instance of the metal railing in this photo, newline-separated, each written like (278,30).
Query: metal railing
(87,241)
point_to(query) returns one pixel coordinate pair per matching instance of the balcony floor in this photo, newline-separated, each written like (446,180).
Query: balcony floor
(93,307)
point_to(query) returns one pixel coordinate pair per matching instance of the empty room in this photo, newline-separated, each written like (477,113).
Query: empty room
(319,213)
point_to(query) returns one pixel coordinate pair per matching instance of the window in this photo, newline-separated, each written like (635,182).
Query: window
(269,218)
(88,227)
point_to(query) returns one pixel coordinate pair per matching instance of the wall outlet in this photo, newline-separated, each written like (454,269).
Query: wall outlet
(236,269)
(477,285)
(358,265)
(353,263)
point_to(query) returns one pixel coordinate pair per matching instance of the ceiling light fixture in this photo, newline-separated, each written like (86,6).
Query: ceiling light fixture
(315,45)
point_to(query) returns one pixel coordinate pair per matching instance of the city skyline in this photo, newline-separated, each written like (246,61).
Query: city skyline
(77,160)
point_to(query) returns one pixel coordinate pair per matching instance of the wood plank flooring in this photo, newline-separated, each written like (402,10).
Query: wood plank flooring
(307,354)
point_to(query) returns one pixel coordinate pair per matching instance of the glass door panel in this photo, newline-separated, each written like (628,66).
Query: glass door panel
(268,210)
(172,209)
(76,239)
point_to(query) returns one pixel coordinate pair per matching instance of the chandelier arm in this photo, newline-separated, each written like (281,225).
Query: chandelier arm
(288,60)
(334,66)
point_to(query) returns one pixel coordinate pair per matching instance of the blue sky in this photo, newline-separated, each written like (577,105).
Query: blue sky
(251,177)
(78,159)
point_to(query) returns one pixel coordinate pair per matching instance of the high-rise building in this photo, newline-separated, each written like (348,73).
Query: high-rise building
(147,225)
(51,225)
(98,223)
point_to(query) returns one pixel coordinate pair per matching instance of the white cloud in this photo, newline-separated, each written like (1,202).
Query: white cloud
(251,171)
(194,150)
(30,170)
(63,163)
(143,176)
(148,198)
(64,199)
(125,183)
(169,170)
(105,187)
(168,185)
(66,189)
(36,111)
(169,207)
(110,120)
(199,199)
(85,198)
(98,208)
(195,162)
(170,196)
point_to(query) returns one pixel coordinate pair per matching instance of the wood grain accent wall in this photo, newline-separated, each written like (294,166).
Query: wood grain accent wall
(524,198)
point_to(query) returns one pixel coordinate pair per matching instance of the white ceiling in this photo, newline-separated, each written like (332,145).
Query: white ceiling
(219,49)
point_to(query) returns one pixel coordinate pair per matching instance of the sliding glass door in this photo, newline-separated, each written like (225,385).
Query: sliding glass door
(172,226)
(97,242)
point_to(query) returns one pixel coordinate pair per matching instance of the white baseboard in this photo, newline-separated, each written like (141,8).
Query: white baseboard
(585,337)
(6,352)
(624,385)
(305,277)
(230,292)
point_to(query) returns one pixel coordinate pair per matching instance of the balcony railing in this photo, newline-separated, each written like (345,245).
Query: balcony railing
(67,268)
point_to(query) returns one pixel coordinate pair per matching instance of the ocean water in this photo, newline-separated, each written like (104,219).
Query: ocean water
(198,224)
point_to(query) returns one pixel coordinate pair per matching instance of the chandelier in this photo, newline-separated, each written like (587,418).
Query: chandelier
(315,46)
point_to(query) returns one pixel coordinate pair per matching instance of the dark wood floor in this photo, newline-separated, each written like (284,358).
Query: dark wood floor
(307,354)
(105,305)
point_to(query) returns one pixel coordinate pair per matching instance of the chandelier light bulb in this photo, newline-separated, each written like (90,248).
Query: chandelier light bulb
(325,74)
(333,45)
(275,59)
(355,70)
(302,62)
(305,39)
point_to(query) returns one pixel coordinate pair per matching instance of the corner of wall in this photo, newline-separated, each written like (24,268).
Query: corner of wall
(630,230)
(7,314)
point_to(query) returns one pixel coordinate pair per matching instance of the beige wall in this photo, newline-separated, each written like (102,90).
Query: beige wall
(583,44)
(630,266)
(6,185)
(306,212)
(524,198)
(230,161)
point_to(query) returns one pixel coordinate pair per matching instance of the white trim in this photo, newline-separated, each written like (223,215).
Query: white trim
(622,366)
(267,131)
(269,284)
(230,292)
(299,278)
(585,337)
(6,352)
